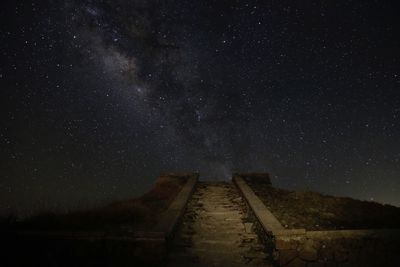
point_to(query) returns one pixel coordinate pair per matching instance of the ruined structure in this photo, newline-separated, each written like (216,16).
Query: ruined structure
(206,224)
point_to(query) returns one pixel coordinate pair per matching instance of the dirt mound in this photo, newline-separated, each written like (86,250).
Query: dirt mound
(136,213)
(314,211)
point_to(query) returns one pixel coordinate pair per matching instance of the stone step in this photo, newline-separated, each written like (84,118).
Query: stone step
(216,232)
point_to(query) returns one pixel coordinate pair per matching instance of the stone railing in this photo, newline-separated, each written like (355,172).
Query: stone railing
(152,245)
(298,247)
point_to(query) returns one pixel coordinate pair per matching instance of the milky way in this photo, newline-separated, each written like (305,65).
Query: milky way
(99,97)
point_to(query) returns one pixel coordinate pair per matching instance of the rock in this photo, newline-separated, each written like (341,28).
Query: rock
(248,227)
(309,253)
(286,244)
(286,256)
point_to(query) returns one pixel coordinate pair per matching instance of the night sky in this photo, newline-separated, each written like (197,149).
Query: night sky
(99,97)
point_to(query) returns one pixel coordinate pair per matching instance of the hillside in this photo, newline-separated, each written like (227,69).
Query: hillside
(139,213)
(315,211)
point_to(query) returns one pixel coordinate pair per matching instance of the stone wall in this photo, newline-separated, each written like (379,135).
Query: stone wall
(338,248)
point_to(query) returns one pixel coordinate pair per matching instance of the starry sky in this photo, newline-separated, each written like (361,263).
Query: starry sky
(99,97)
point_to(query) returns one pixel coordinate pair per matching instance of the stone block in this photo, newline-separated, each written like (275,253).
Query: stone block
(309,252)
(286,243)
(248,227)
(286,256)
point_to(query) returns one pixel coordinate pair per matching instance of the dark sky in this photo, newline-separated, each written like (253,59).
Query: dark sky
(99,97)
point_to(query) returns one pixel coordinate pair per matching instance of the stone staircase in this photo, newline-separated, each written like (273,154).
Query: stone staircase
(215,231)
